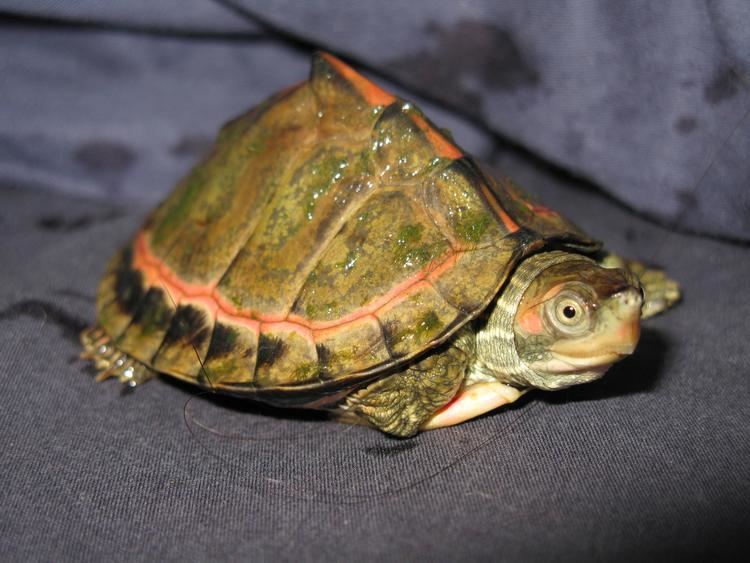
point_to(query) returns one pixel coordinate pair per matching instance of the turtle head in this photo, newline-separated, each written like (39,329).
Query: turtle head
(574,320)
(562,319)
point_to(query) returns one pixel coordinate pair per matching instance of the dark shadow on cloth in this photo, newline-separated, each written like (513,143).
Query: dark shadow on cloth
(218,414)
(44,311)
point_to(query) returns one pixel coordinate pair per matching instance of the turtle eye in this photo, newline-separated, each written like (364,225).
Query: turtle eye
(569,313)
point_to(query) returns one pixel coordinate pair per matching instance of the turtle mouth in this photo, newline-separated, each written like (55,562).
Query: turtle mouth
(599,363)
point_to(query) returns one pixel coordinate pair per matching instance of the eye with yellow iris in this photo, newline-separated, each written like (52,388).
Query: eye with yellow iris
(569,313)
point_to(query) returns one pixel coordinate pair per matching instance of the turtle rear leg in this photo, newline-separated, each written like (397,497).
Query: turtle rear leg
(660,291)
(110,361)
(402,403)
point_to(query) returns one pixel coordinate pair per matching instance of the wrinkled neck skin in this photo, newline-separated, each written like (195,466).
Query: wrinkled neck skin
(496,351)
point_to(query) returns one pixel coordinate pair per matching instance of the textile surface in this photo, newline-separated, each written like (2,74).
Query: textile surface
(102,108)
(645,99)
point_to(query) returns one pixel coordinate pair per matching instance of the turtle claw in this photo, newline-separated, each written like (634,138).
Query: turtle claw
(110,362)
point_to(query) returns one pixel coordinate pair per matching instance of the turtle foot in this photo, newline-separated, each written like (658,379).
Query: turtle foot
(660,291)
(110,361)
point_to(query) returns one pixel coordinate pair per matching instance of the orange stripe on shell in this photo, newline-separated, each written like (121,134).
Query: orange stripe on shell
(373,94)
(158,274)
(442,146)
(535,208)
(507,220)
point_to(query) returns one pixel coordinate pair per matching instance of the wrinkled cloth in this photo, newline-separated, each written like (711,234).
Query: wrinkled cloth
(648,100)
(647,463)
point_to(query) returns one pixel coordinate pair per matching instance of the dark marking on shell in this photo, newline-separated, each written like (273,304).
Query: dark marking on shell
(387,338)
(188,327)
(324,360)
(70,325)
(270,349)
(391,450)
(722,87)
(685,124)
(390,338)
(128,284)
(154,312)
(223,341)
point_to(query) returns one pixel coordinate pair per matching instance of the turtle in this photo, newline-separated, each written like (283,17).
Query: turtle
(338,251)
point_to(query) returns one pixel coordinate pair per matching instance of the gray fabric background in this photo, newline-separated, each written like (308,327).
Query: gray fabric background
(637,97)
(101,109)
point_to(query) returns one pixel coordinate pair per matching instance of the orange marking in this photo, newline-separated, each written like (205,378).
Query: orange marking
(509,223)
(444,266)
(373,94)
(539,300)
(536,208)
(444,148)
(413,289)
(324,333)
(158,274)
(531,322)
(374,306)
(250,324)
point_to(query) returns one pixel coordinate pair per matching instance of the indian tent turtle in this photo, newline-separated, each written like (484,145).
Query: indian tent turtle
(338,251)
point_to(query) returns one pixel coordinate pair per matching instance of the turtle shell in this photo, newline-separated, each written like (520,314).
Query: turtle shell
(332,234)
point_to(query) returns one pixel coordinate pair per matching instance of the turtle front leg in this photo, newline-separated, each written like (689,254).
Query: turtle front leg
(402,403)
(660,291)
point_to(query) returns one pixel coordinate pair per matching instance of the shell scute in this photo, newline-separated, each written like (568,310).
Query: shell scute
(201,227)
(149,324)
(453,198)
(415,319)
(286,356)
(232,353)
(547,223)
(120,292)
(401,149)
(339,84)
(304,213)
(355,349)
(186,342)
(387,243)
